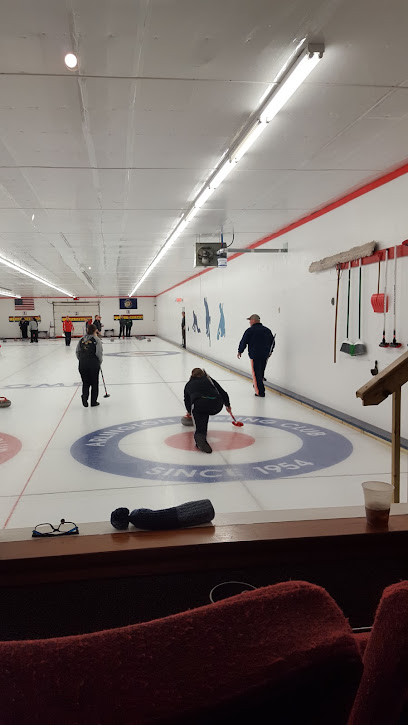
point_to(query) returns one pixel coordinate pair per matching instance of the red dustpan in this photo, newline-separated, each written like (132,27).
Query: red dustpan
(377,300)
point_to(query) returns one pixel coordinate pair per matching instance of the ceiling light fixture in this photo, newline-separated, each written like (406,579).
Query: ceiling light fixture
(71,61)
(291,76)
(8,293)
(17,268)
(203,197)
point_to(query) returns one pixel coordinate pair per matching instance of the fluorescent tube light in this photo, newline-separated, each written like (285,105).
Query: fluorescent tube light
(8,293)
(251,137)
(289,85)
(175,235)
(203,197)
(172,238)
(17,268)
(191,214)
(290,77)
(222,174)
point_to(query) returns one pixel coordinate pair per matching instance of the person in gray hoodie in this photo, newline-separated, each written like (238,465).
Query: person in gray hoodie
(33,329)
(89,353)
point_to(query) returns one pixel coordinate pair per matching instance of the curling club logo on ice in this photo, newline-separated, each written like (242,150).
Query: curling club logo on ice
(9,447)
(320,448)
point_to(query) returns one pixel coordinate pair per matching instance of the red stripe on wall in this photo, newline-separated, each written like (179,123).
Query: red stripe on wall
(381,181)
(99,297)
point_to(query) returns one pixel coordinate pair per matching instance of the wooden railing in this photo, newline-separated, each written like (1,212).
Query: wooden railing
(389,382)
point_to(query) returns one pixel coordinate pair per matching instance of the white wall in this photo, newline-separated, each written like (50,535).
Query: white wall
(108,308)
(297,305)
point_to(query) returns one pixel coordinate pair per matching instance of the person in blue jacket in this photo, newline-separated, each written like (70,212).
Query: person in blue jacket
(260,342)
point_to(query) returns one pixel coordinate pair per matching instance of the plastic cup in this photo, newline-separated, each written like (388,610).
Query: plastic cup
(377,498)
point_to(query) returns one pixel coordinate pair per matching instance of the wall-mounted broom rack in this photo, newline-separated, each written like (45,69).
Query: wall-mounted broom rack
(378,256)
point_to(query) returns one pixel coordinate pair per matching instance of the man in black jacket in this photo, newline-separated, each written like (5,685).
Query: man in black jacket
(260,341)
(122,326)
(183,329)
(129,324)
(23,325)
(203,397)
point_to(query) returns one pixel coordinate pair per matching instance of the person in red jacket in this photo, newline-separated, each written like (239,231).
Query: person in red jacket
(68,329)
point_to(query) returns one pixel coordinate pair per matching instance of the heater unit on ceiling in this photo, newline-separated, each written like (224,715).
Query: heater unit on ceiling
(206,254)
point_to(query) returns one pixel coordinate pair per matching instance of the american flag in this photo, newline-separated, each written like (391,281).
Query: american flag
(26,303)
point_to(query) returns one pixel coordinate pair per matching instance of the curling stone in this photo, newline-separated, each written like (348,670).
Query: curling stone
(187,420)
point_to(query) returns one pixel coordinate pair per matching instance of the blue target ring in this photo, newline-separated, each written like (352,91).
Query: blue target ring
(320,449)
(138,353)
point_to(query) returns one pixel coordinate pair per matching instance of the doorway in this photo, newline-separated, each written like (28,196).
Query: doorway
(79,312)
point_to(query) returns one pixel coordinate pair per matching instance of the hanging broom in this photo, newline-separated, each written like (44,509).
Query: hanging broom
(394,342)
(348,346)
(336,314)
(359,348)
(383,342)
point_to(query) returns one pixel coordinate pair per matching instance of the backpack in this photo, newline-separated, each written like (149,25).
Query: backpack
(87,347)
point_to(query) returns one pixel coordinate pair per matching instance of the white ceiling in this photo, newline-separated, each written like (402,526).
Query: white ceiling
(108,158)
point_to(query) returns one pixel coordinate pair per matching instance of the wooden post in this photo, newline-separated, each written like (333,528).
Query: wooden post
(396,443)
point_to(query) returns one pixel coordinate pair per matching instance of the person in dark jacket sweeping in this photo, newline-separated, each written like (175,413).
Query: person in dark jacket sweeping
(260,341)
(203,397)
(89,353)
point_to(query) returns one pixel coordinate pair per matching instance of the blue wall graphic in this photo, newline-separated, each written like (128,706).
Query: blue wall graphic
(221,324)
(195,326)
(207,320)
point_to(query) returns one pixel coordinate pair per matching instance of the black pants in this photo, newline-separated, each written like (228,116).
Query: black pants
(67,338)
(89,372)
(183,336)
(122,331)
(24,333)
(128,329)
(201,411)
(34,335)
(258,366)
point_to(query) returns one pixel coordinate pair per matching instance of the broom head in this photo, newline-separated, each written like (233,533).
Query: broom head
(360,348)
(394,343)
(346,347)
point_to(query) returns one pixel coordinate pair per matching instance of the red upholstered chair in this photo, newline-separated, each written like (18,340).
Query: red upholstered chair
(362,641)
(282,654)
(383,689)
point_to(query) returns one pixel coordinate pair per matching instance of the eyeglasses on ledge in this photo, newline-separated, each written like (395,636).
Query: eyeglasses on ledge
(65,528)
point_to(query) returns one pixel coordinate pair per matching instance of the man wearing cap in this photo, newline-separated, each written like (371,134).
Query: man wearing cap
(260,341)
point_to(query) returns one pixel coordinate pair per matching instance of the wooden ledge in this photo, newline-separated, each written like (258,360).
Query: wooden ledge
(156,553)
